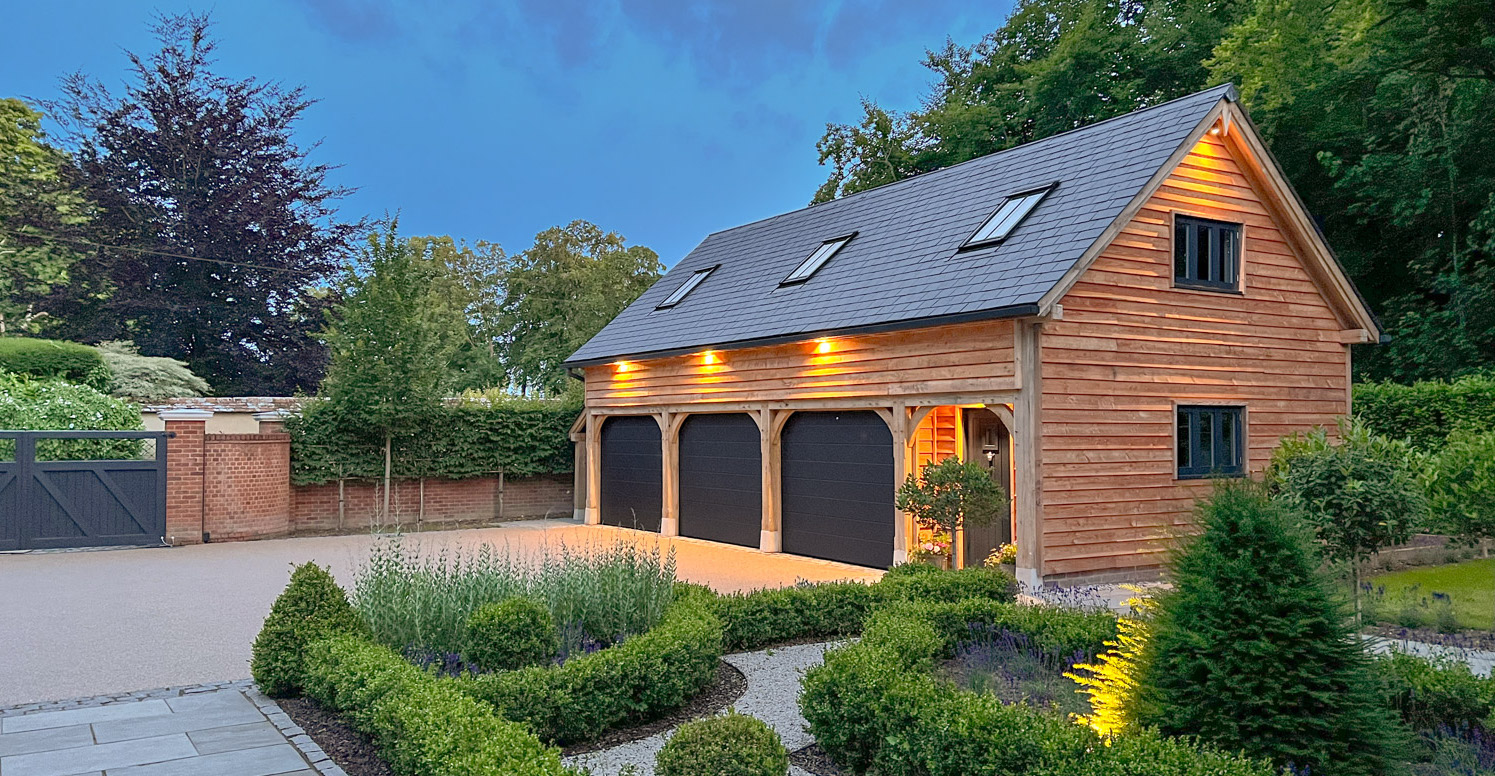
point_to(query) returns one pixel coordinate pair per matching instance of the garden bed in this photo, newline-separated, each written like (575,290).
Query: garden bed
(353,751)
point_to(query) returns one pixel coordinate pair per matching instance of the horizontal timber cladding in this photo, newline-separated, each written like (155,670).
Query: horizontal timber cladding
(837,487)
(969,357)
(632,476)
(721,479)
(1130,347)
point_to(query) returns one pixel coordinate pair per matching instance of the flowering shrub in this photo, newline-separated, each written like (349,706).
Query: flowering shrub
(1006,555)
(30,404)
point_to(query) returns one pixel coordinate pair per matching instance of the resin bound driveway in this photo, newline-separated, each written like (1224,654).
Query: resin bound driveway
(78,624)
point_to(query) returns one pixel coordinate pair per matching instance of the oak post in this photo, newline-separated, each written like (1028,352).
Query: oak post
(593,478)
(669,437)
(1027,434)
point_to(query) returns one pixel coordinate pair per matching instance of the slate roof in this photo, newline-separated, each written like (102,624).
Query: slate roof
(904,268)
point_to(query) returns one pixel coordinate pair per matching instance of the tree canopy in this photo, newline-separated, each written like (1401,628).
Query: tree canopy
(40,210)
(1375,108)
(217,234)
(561,292)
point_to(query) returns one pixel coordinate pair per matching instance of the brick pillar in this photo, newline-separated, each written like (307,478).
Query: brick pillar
(186,435)
(272,422)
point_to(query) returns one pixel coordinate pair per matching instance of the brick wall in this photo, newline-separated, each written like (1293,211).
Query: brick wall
(315,507)
(247,488)
(238,486)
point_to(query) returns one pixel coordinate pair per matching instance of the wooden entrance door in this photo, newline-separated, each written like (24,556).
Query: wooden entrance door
(989,444)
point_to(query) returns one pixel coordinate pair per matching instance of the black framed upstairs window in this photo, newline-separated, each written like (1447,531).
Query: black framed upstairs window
(1206,254)
(1211,442)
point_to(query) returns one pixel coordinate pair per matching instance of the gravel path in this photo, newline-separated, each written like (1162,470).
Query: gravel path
(1480,661)
(773,678)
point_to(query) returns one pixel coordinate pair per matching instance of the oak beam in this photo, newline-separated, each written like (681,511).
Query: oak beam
(770,535)
(669,438)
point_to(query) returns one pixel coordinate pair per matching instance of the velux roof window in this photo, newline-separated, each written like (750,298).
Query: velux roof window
(816,260)
(1000,224)
(688,286)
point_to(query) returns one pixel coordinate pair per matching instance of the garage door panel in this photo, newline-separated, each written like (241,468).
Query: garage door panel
(632,473)
(837,487)
(721,469)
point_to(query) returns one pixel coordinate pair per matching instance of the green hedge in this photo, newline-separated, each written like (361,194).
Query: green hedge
(1433,693)
(633,681)
(1426,413)
(423,726)
(763,618)
(68,361)
(468,438)
(878,705)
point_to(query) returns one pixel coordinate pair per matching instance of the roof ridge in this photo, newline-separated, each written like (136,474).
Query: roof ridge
(1228,92)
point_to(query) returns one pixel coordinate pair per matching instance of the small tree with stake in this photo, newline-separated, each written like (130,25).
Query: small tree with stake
(1360,495)
(945,496)
(391,338)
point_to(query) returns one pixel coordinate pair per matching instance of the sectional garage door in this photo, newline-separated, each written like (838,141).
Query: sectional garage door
(632,474)
(837,496)
(721,476)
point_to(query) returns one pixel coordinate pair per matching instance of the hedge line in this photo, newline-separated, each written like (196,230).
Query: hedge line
(68,361)
(636,680)
(469,438)
(878,705)
(422,725)
(1426,413)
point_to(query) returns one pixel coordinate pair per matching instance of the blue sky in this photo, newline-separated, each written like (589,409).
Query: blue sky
(661,120)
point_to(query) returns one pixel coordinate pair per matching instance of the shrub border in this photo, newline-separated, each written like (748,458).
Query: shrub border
(878,703)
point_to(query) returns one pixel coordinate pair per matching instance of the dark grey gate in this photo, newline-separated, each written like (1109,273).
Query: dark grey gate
(46,502)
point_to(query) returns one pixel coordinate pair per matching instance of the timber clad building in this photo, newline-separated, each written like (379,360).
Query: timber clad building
(1105,318)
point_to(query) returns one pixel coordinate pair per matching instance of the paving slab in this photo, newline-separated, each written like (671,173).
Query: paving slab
(87,716)
(216,732)
(45,740)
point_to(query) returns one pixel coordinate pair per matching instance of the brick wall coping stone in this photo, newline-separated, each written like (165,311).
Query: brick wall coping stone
(184,414)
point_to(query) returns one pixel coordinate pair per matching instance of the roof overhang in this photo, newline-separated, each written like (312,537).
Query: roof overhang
(996,313)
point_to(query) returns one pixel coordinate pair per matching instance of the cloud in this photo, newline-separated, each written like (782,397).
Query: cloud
(356,21)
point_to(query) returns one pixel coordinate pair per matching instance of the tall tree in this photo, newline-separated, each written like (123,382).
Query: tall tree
(472,281)
(563,290)
(221,232)
(41,213)
(1053,66)
(391,337)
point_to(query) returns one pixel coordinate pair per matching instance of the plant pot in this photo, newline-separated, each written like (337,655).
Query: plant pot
(1009,569)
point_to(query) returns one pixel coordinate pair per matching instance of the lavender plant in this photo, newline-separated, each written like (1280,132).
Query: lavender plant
(1009,665)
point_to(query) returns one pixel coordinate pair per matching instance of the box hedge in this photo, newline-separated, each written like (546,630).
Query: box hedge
(729,745)
(877,705)
(311,608)
(423,726)
(638,679)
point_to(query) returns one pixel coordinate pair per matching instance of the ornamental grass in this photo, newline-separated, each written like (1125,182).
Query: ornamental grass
(419,599)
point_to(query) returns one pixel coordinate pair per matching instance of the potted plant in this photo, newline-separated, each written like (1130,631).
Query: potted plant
(1003,558)
(947,495)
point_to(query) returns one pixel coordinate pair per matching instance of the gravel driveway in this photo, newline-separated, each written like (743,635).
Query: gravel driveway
(89,623)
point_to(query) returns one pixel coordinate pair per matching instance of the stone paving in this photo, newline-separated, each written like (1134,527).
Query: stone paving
(225,729)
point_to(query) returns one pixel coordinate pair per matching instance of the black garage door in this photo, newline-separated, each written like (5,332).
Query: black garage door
(632,477)
(837,470)
(721,476)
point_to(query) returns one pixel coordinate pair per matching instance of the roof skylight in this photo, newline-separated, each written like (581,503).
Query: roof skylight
(1000,224)
(688,286)
(816,260)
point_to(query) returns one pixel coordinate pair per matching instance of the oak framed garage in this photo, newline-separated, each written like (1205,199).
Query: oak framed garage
(1057,322)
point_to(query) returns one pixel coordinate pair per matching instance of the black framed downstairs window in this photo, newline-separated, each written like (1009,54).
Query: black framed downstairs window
(1206,254)
(1211,442)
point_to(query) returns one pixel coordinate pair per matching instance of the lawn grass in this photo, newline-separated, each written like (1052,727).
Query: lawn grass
(1470,585)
